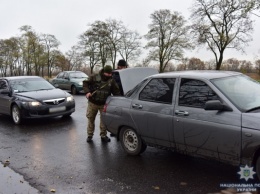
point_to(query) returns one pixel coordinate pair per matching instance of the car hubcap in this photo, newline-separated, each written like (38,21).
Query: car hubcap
(15,115)
(130,140)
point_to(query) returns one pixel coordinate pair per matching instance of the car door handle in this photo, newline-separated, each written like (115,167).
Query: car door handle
(138,106)
(181,113)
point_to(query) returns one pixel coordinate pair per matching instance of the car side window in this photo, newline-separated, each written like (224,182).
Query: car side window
(158,90)
(60,75)
(66,76)
(195,93)
(3,85)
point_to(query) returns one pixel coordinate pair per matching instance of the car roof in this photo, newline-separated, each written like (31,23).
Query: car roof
(72,71)
(204,74)
(20,77)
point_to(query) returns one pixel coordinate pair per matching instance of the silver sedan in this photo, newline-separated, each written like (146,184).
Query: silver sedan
(210,114)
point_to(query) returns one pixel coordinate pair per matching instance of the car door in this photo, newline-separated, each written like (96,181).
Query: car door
(4,97)
(152,111)
(58,81)
(66,81)
(213,133)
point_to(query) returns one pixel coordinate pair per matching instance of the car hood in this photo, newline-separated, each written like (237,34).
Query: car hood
(251,120)
(130,77)
(44,94)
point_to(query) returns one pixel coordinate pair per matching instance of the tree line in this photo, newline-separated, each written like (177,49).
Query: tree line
(217,25)
(231,64)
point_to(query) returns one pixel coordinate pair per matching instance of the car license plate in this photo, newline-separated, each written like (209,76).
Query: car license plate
(57,109)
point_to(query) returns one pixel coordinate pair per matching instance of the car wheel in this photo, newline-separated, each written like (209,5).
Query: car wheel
(16,114)
(73,90)
(258,167)
(131,141)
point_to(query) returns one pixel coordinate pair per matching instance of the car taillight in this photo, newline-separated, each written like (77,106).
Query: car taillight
(105,108)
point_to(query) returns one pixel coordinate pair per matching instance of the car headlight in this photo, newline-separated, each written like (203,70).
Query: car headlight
(80,83)
(33,103)
(70,99)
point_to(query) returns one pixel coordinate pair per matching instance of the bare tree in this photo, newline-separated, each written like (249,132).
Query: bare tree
(210,64)
(55,57)
(222,24)
(50,44)
(231,64)
(167,37)
(115,35)
(29,53)
(105,41)
(183,65)
(130,45)
(90,49)
(74,59)
(246,66)
(61,63)
(97,34)
(10,56)
(32,50)
(196,64)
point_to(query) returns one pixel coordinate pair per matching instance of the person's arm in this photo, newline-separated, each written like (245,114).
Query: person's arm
(88,86)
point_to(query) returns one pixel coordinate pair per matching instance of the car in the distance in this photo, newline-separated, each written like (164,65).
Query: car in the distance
(24,97)
(71,81)
(209,114)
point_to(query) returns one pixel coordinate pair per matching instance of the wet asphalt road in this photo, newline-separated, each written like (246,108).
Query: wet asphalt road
(52,155)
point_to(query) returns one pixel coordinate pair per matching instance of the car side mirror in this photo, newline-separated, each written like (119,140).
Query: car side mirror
(216,105)
(4,91)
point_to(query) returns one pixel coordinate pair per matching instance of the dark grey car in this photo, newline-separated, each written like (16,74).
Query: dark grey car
(210,114)
(33,97)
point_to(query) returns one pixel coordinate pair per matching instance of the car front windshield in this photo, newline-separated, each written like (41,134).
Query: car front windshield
(242,91)
(78,75)
(30,84)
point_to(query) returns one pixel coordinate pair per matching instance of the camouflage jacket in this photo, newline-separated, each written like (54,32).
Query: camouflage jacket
(100,88)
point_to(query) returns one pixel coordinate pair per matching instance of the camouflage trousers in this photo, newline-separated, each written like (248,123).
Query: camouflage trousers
(92,112)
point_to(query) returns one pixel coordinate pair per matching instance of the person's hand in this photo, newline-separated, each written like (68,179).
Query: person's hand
(88,95)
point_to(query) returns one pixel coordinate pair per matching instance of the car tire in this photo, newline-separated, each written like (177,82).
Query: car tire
(74,90)
(16,114)
(131,141)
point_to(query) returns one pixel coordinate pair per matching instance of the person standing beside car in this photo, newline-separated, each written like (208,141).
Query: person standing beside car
(98,87)
(122,64)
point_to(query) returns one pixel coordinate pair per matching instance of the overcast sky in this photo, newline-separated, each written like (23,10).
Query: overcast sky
(67,19)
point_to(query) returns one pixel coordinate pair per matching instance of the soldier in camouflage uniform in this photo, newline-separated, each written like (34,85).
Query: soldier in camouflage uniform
(98,87)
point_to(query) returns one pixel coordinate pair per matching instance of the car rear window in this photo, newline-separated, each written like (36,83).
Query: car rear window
(158,90)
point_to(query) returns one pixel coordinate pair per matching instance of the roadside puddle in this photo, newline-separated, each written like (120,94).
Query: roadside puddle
(12,182)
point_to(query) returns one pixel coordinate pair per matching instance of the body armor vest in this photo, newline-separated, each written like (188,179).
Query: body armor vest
(100,89)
